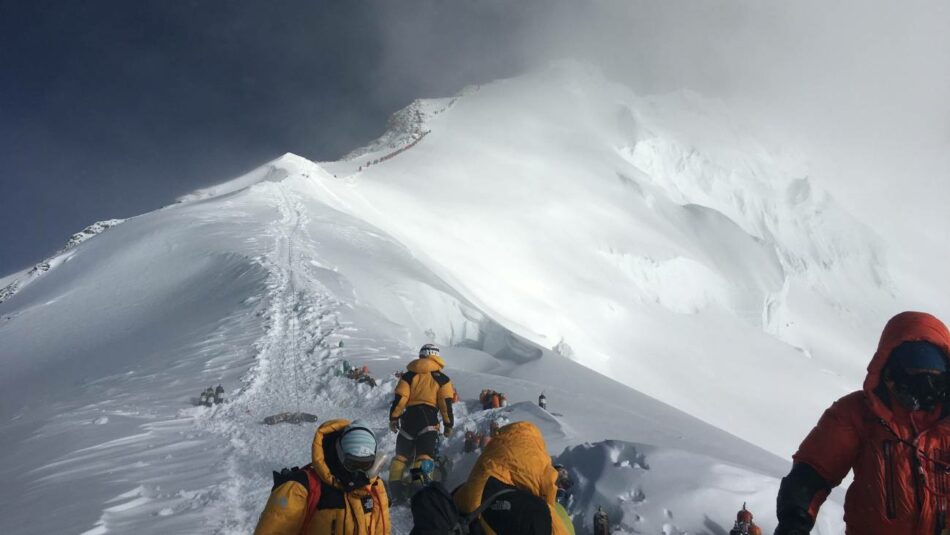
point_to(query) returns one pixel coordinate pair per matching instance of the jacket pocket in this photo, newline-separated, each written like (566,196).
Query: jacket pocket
(890,498)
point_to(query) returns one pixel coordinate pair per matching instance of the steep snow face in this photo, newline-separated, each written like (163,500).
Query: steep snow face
(652,236)
(265,289)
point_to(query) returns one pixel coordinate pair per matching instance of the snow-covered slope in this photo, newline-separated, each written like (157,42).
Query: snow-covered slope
(543,229)
(264,289)
(653,238)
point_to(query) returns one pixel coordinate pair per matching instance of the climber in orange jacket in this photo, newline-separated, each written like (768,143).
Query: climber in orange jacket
(516,473)
(422,394)
(894,434)
(339,493)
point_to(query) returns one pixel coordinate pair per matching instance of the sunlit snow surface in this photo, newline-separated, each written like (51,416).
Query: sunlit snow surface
(728,298)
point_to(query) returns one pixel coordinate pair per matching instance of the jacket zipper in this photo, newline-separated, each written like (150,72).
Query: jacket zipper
(918,472)
(889,498)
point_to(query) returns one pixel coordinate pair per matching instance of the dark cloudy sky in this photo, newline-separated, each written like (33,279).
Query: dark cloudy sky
(110,108)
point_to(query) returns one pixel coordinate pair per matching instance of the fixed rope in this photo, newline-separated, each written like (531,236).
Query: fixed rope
(295,309)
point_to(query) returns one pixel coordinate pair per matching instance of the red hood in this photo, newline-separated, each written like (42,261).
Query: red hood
(904,327)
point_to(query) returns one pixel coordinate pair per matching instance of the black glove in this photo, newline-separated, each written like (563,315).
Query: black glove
(794,522)
(795,495)
(394,426)
(787,528)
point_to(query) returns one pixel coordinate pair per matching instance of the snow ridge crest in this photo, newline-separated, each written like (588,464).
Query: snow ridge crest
(61,256)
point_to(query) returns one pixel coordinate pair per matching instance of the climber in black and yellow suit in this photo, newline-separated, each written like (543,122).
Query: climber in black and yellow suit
(422,394)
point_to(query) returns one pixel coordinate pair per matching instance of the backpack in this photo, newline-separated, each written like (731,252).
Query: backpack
(739,530)
(434,512)
(309,479)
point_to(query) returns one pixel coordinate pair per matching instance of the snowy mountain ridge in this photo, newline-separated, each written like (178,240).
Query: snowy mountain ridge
(667,281)
(13,283)
(406,126)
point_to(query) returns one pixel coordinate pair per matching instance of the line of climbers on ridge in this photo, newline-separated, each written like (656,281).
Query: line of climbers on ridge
(894,434)
(341,493)
(394,153)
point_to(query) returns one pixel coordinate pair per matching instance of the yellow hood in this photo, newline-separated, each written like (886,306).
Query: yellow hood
(516,456)
(319,462)
(426,365)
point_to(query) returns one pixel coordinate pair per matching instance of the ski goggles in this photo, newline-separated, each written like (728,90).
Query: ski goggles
(922,390)
(922,382)
(358,464)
